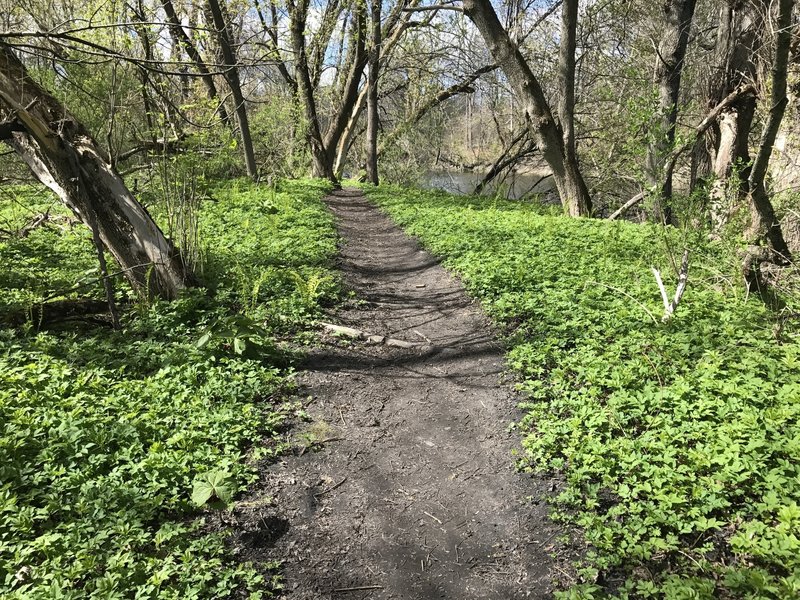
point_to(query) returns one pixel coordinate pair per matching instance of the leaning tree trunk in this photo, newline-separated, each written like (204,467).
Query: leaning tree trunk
(566,173)
(372,94)
(349,134)
(64,157)
(669,66)
(764,226)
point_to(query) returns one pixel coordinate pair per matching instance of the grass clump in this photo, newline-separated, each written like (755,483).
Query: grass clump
(111,440)
(678,441)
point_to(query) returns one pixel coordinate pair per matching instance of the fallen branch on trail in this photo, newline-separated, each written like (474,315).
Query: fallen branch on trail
(358,334)
(330,489)
(670,306)
(360,588)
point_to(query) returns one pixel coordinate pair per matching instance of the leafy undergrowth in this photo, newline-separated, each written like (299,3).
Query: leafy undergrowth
(679,442)
(110,441)
(51,260)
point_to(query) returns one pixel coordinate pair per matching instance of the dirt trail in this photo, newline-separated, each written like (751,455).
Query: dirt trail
(412,492)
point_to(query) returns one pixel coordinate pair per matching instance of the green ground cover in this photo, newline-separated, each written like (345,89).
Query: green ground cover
(109,441)
(679,443)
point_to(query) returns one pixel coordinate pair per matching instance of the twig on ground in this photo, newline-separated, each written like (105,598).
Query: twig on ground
(423,337)
(311,444)
(330,439)
(330,489)
(432,517)
(471,475)
(358,334)
(546,541)
(345,331)
(360,588)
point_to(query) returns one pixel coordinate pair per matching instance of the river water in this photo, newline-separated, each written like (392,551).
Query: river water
(513,186)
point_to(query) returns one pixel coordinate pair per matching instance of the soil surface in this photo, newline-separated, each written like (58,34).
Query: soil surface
(404,484)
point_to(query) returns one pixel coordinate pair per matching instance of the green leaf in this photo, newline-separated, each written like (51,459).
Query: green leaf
(204,339)
(214,484)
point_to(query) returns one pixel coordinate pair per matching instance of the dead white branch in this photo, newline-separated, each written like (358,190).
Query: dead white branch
(358,334)
(633,201)
(683,274)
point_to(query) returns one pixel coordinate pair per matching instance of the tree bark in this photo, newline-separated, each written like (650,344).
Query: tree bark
(64,157)
(225,40)
(739,37)
(566,76)
(372,94)
(144,75)
(317,47)
(397,22)
(321,167)
(329,148)
(349,134)
(357,61)
(764,226)
(669,66)
(566,174)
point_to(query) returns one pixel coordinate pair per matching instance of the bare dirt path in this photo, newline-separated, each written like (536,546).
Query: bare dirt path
(410,489)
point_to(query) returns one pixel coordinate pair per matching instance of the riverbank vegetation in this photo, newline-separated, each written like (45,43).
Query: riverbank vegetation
(677,441)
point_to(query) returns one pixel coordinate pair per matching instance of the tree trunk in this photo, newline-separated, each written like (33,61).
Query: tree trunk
(144,74)
(566,73)
(566,174)
(328,150)
(180,36)
(739,38)
(321,167)
(357,60)
(372,95)
(349,133)
(64,157)
(669,66)
(727,132)
(764,226)
(225,40)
